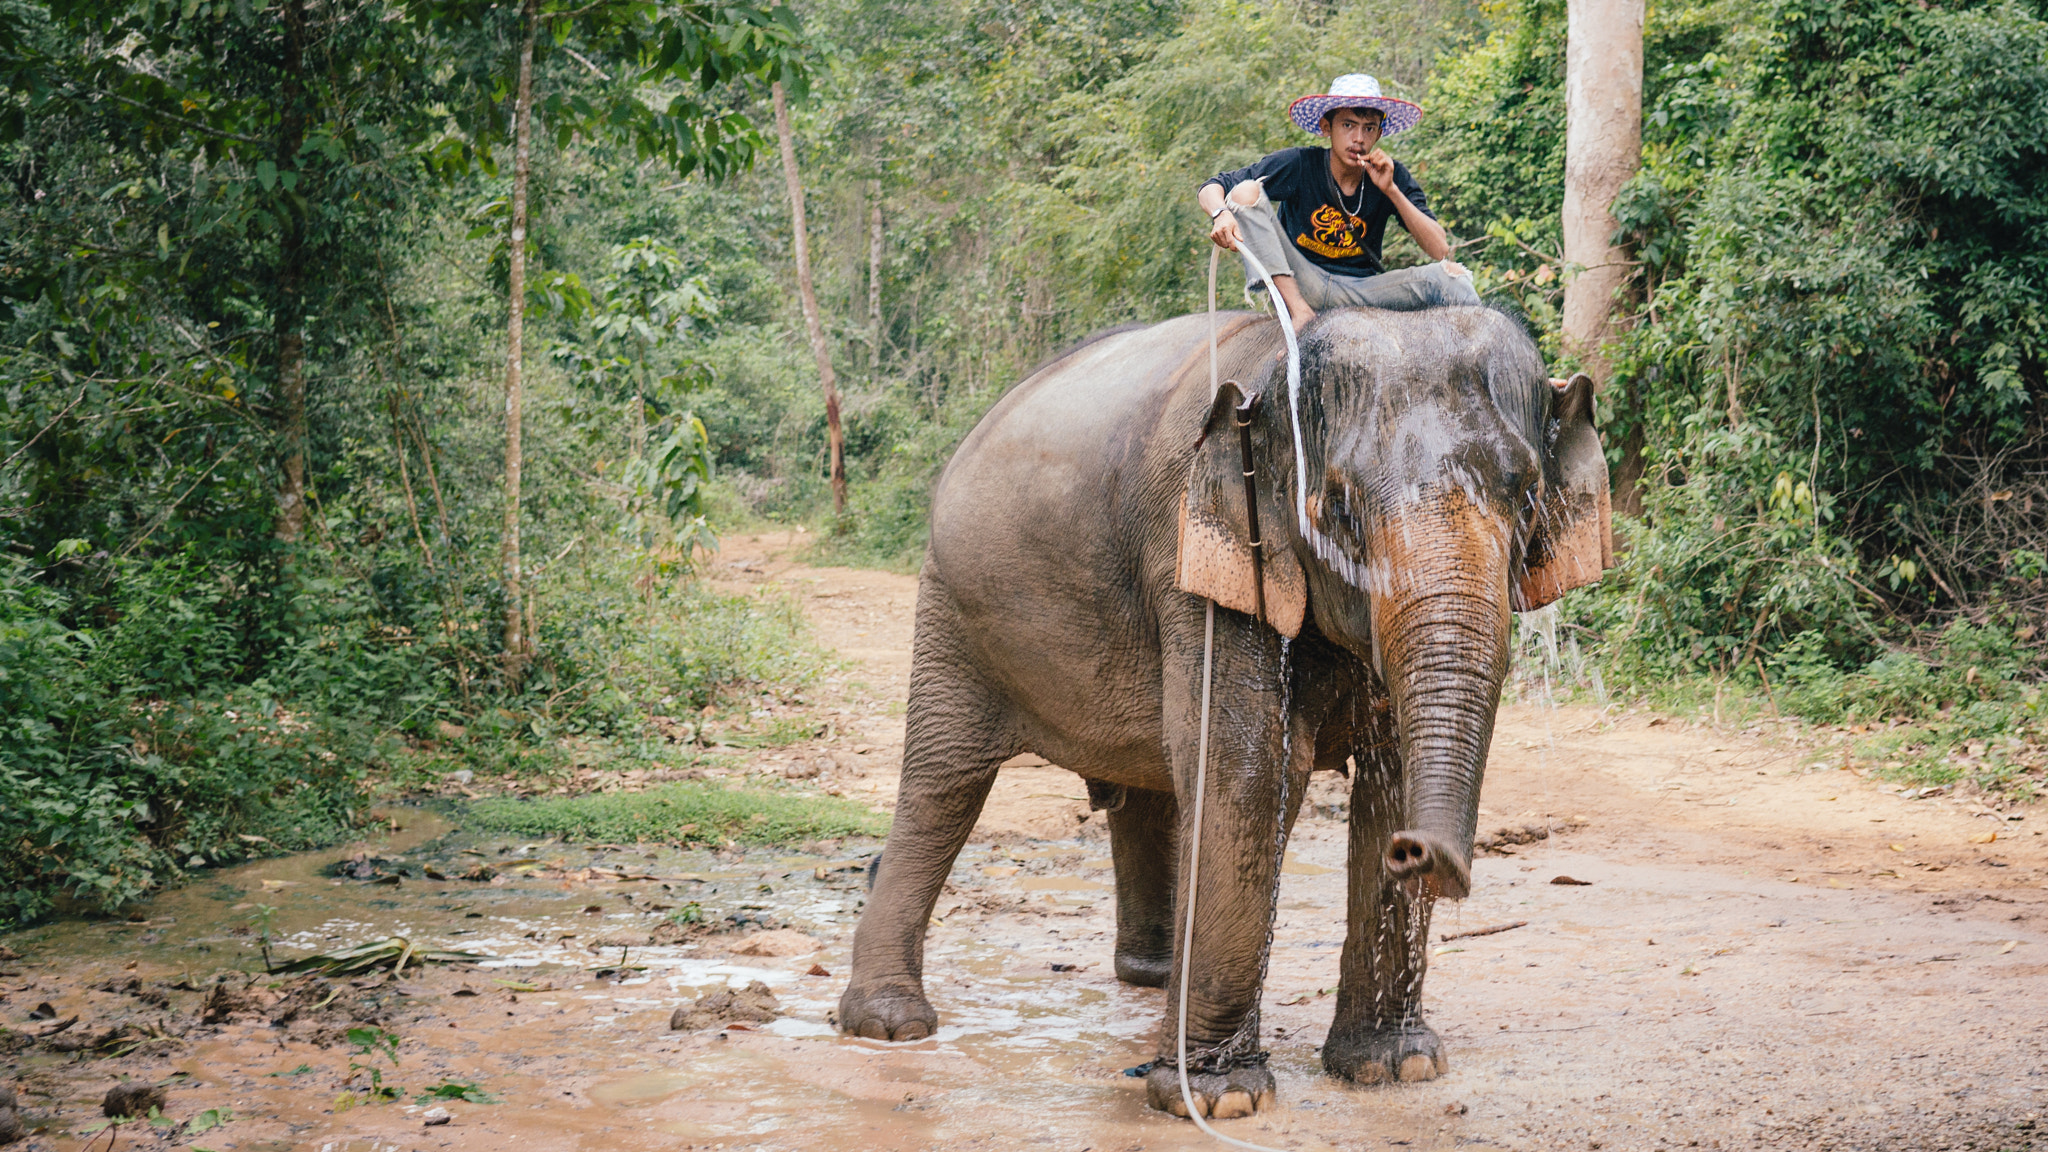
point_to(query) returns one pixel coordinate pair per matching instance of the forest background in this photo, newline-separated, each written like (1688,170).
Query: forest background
(254,272)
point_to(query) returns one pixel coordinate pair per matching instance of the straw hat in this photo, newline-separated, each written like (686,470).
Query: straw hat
(1354,91)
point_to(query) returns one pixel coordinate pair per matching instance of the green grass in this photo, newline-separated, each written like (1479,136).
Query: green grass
(703,813)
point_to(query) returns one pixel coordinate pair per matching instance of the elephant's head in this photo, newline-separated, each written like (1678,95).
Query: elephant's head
(1448,482)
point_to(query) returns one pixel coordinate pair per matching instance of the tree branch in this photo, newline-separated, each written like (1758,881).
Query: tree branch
(195,124)
(594,69)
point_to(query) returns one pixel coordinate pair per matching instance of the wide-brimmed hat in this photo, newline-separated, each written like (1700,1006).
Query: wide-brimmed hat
(1354,91)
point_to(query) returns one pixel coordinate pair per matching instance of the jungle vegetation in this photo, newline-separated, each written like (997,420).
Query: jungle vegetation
(255,270)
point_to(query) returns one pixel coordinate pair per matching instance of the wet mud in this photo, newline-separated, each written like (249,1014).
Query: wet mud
(1763,951)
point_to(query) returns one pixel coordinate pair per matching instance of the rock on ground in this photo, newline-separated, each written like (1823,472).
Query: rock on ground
(776,942)
(754,1004)
(132,1099)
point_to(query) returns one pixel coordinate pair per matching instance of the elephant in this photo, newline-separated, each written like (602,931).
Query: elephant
(1080,535)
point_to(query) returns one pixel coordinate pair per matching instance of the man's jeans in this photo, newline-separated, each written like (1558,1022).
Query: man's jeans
(1403,290)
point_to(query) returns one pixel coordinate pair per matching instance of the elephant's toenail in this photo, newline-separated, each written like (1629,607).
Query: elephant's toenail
(1232,1105)
(1265,1101)
(1175,1107)
(874,1030)
(1370,1072)
(1418,1067)
(915,1030)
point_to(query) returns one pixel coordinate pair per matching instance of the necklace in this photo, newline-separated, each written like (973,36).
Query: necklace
(1339,190)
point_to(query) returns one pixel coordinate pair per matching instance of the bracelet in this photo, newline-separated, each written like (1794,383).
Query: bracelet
(1220,211)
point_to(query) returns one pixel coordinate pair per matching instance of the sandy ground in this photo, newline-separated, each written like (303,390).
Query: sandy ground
(1771,952)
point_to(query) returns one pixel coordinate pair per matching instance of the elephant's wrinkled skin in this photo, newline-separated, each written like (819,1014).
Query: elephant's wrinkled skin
(1449,482)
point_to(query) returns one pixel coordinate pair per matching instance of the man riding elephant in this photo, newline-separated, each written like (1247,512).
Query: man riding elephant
(1338,554)
(1315,217)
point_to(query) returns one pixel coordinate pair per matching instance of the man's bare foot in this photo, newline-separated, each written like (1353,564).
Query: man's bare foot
(1297,308)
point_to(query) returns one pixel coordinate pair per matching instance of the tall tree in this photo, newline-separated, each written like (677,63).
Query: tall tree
(874,272)
(712,49)
(518,645)
(1603,150)
(821,350)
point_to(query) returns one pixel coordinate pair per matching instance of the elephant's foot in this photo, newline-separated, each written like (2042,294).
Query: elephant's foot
(1218,1095)
(1143,971)
(891,1011)
(1385,1056)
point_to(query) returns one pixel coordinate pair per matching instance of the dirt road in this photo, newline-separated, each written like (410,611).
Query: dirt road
(1768,952)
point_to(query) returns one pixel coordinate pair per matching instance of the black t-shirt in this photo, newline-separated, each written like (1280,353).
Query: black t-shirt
(1318,217)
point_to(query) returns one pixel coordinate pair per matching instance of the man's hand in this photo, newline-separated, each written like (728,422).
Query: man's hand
(1223,231)
(1380,168)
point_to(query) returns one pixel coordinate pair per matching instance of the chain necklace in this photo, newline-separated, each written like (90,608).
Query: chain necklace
(1339,190)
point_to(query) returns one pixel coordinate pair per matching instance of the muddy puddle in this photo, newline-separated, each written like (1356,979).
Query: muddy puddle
(1654,1006)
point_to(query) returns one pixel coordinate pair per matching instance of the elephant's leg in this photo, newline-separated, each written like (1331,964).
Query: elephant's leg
(1141,841)
(1378,1035)
(955,736)
(1250,797)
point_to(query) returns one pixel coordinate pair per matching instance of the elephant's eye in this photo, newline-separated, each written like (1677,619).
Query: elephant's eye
(1337,513)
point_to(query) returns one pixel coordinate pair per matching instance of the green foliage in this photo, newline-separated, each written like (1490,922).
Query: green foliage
(728,646)
(108,786)
(369,1043)
(450,1090)
(208,1120)
(249,445)
(1733,558)
(693,812)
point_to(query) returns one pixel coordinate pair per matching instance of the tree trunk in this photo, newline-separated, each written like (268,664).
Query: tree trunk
(874,273)
(1603,149)
(287,331)
(518,645)
(820,351)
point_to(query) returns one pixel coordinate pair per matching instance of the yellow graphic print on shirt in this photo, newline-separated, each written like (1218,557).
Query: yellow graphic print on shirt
(1337,234)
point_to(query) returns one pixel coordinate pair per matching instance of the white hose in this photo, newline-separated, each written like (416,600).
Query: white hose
(1293,376)
(1187,944)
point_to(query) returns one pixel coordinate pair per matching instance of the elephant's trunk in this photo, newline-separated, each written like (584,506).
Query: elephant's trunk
(1440,633)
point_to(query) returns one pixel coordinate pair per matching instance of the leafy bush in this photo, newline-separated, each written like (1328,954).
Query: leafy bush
(128,754)
(1977,680)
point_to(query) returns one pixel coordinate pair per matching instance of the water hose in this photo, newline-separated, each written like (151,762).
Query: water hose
(1187,946)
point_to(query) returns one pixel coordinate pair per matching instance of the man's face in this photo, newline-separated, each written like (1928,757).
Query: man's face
(1354,133)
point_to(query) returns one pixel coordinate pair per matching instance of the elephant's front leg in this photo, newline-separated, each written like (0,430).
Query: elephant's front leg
(1249,798)
(1378,1034)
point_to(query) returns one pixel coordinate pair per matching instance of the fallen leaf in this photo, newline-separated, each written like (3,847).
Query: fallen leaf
(1444,951)
(1834,883)
(1297,998)
(1898,847)
(2009,946)
(817,970)
(1984,838)
(1569,881)
(274,885)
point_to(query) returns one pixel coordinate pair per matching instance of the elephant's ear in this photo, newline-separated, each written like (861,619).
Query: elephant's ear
(1573,539)
(1215,534)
